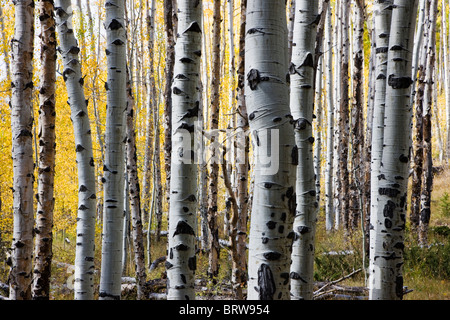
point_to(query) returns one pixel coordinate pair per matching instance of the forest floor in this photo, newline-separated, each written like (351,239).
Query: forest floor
(338,262)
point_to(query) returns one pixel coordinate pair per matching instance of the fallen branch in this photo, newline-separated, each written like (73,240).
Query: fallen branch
(337,281)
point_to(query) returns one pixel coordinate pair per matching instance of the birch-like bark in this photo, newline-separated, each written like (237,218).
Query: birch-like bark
(20,276)
(386,263)
(239,273)
(267,98)
(427,176)
(170,61)
(329,210)
(181,260)
(214,252)
(110,279)
(357,121)
(150,107)
(301,72)
(382,23)
(46,164)
(343,117)
(84,252)
(134,197)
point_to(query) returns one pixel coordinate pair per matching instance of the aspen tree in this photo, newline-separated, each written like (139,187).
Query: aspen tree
(22,150)
(302,77)
(427,177)
(113,168)
(386,280)
(214,252)
(84,252)
(267,99)
(46,164)
(181,260)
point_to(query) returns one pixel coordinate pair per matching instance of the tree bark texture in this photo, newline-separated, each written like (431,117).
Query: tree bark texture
(111,272)
(214,252)
(181,261)
(267,99)
(134,196)
(302,77)
(84,252)
(22,150)
(386,279)
(47,147)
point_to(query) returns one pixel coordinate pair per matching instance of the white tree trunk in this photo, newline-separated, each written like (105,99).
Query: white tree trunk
(84,255)
(386,280)
(111,269)
(329,210)
(267,99)
(22,150)
(181,260)
(302,103)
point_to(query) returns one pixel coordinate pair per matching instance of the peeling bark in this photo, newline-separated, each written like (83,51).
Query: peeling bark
(46,164)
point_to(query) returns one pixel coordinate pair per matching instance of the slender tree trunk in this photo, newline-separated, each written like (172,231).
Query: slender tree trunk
(301,72)
(110,280)
(427,177)
(181,261)
(387,259)
(382,23)
(134,197)
(22,150)
(46,166)
(150,107)
(170,61)
(84,254)
(357,128)
(214,252)
(329,210)
(267,98)
(239,275)
(343,117)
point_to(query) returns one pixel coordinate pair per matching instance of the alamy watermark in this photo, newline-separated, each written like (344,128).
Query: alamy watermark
(194,145)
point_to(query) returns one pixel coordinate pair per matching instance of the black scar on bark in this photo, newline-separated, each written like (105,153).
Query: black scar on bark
(118,42)
(183,228)
(399,82)
(186,60)
(303,229)
(388,192)
(168,265)
(115,24)
(266,282)
(285,276)
(399,286)
(192,112)
(272,255)
(186,126)
(83,188)
(254,78)
(271,225)
(192,263)
(183,278)
(79,148)
(194,27)
(255,30)
(296,276)
(388,210)
(294,156)
(182,247)
(308,61)
(403,158)
(388,223)
(381,49)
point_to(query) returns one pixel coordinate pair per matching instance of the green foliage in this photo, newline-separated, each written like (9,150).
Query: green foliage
(432,261)
(444,205)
